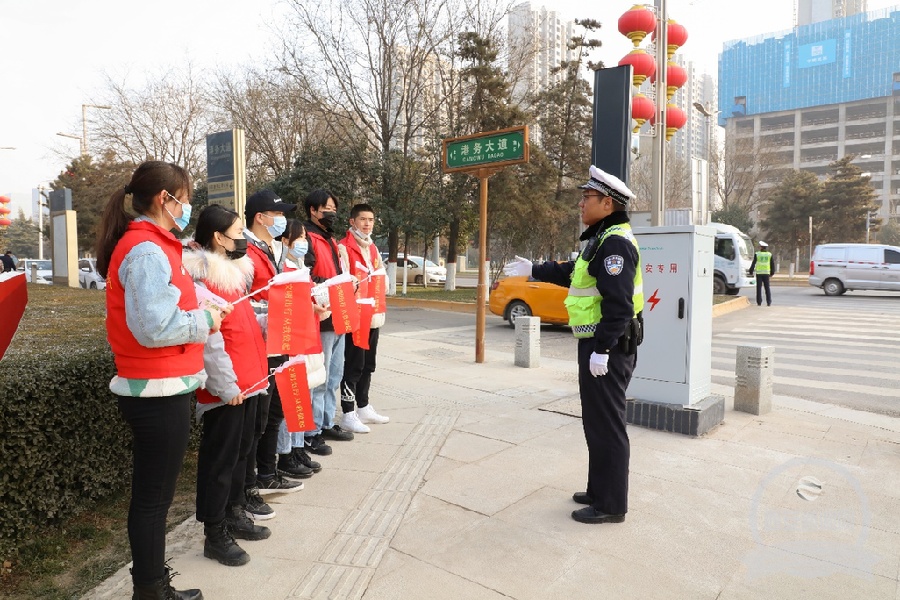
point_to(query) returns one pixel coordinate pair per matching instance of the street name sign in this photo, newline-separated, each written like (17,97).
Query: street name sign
(492,149)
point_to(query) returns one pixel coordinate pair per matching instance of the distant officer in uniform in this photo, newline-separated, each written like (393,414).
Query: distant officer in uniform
(762,266)
(604,303)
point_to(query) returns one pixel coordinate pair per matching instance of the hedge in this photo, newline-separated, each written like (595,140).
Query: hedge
(63,444)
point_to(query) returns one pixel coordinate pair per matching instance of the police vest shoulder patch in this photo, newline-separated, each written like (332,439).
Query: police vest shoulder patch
(614,264)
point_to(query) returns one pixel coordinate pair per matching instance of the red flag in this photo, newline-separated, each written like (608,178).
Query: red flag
(378,291)
(293,328)
(295,398)
(361,335)
(13,298)
(344,311)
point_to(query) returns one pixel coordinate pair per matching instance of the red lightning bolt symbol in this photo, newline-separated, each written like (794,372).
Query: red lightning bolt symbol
(653,299)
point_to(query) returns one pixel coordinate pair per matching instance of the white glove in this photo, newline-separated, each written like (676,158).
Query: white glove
(518,268)
(598,364)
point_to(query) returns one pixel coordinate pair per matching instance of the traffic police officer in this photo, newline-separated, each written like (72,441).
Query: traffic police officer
(762,266)
(604,303)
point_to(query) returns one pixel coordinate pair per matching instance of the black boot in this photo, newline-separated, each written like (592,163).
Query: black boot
(162,589)
(241,527)
(220,545)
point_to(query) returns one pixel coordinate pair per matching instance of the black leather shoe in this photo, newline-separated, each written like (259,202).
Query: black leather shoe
(582,498)
(303,458)
(591,515)
(318,446)
(241,527)
(337,434)
(289,467)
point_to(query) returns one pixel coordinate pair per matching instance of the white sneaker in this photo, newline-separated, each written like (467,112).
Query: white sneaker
(351,422)
(367,414)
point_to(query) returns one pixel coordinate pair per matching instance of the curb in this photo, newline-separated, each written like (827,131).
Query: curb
(732,305)
(460,307)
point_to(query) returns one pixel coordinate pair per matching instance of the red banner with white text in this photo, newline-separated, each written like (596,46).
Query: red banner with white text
(295,397)
(293,327)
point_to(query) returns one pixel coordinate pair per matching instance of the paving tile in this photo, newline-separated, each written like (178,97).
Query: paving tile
(465,447)
(400,577)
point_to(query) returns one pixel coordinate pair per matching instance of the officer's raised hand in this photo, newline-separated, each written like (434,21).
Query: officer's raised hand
(518,267)
(598,364)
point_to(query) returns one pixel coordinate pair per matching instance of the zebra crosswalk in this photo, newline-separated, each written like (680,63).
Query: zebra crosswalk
(846,356)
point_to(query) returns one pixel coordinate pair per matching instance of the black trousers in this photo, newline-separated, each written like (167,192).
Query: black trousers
(259,427)
(267,450)
(603,418)
(762,281)
(161,427)
(359,365)
(221,462)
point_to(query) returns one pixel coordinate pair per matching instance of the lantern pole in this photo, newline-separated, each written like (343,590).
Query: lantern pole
(658,200)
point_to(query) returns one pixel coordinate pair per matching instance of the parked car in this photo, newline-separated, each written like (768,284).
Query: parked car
(44,269)
(513,297)
(837,268)
(435,273)
(88,277)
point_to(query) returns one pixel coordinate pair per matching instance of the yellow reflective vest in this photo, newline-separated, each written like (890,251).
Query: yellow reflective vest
(764,263)
(583,301)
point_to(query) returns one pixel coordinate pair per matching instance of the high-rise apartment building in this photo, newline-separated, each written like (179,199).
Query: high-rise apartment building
(538,43)
(815,11)
(817,93)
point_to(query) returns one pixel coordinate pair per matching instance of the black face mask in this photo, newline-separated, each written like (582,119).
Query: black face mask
(240,248)
(327,219)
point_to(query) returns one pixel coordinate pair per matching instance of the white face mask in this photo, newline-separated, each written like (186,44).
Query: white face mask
(360,234)
(299,248)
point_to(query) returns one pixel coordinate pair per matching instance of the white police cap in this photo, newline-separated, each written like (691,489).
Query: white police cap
(608,185)
(762,244)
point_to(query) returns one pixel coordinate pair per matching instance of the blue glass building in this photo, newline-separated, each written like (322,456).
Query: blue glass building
(819,92)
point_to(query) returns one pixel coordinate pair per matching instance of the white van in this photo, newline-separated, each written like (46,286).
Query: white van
(733,257)
(837,268)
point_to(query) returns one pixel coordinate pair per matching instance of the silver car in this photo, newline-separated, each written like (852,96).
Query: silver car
(88,277)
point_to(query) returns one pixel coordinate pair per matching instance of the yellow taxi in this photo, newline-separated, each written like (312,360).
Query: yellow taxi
(513,297)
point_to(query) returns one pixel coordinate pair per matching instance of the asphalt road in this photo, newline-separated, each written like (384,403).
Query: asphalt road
(840,350)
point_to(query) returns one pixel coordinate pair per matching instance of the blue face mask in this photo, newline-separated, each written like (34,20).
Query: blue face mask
(277,227)
(185,218)
(299,248)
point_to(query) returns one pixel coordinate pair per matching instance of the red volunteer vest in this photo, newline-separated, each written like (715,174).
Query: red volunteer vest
(263,271)
(354,252)
(322,248)
(243,343)
(134,361)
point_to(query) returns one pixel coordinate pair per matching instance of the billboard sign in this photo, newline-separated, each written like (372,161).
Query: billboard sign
(815,55)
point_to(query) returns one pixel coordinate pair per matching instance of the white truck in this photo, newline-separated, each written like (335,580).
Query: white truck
(734,254)
(733,248)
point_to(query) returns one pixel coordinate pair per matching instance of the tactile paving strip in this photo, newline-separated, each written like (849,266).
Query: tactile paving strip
(348,562)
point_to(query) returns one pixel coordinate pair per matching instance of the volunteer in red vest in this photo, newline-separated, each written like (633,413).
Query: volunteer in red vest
(237,371)
(156,331)
(264,214)
(359,363)
(324,259)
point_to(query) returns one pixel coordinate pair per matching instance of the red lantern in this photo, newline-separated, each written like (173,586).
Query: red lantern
(675,120)
(642,109)
(676,77)
(636,23)
(4,210)
(642,63)
(4,222)
(676,37)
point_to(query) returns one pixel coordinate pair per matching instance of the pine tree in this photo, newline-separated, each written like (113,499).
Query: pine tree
(847,198)
(788,208)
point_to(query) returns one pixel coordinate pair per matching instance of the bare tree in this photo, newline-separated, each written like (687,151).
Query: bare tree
(167,118)
(738,174)
(678,181)
(278,113)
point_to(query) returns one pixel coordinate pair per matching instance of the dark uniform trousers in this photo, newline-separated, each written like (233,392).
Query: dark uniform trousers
(359,365)
(603,417)
(228,433)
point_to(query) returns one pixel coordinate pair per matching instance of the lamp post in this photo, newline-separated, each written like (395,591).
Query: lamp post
(41,192)
(83,138)
(708,112)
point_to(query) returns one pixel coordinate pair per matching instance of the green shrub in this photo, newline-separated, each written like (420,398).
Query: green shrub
(63,444)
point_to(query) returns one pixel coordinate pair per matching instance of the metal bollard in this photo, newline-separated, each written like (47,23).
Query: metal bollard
(34,275)
(754,371)
(528,342)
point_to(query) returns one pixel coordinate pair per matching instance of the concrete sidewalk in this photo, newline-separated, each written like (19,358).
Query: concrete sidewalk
(466,494)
